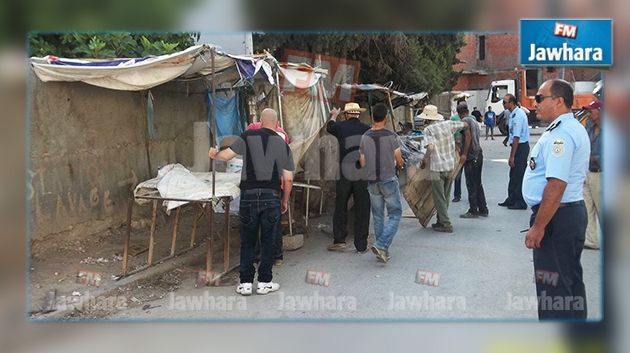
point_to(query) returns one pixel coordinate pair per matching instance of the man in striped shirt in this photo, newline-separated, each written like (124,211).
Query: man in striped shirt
(442,159)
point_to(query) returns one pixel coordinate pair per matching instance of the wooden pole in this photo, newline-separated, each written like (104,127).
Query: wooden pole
(370,106)
(391,109)
(147,143)
(279,99)
(127,236)
(214,136)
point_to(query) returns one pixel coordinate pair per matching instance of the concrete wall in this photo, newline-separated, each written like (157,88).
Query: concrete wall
(88,150)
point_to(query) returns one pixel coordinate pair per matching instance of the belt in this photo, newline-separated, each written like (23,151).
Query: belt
(520,143)
(594,170)
(261,191)
(562,205)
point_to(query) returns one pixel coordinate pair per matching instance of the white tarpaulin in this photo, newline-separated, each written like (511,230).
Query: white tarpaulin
(303,107)
(175,181)
(144,73)
(299,78)
(129,75)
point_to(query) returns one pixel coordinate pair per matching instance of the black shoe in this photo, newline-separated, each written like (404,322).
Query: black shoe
(469,215)
(456,199)
(517,207)
(436,225)
(505,203)
(444,229)
(484,213)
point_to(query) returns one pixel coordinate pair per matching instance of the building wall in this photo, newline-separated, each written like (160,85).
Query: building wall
(87,148)
(501,58)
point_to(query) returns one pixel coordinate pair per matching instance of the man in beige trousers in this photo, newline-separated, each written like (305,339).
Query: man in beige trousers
(591,186)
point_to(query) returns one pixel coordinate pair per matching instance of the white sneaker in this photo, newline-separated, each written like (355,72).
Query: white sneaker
(244,289)
(266,287)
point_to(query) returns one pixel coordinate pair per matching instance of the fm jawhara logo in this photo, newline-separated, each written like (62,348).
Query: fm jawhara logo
(566,42)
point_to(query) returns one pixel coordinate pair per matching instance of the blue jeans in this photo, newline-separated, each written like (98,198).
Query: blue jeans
(385,194)
(259,208)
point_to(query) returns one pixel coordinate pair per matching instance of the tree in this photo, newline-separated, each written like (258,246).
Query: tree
(414,62)
(109,45)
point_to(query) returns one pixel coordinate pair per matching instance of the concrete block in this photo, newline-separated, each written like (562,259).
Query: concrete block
(292,242)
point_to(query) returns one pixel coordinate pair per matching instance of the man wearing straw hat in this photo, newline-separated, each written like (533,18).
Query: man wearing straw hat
(442,159)
(352,179)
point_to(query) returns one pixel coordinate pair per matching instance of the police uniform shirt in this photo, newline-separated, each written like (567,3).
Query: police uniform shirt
(519,126)
(562,152)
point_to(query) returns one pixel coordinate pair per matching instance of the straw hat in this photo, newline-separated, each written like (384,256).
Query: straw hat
(430,112)
(352,108)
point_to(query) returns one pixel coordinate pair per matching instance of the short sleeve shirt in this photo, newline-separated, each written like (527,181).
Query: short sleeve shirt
(441,136)
(265,156)
(562,152)
(489,117)
(475,147)
(378,147)
(519,126)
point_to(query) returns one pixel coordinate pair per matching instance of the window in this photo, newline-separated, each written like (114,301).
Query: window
(482,48)
(533,79)
(498,92)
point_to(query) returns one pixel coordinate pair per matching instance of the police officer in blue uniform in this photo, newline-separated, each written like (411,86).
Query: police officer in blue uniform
(518,138)
(552,187)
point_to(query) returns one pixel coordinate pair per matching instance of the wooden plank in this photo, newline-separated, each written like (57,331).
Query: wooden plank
(418,193)
(152,233)
(127,236)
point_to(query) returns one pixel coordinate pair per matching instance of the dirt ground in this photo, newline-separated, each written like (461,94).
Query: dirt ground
(75,267)
(71,270)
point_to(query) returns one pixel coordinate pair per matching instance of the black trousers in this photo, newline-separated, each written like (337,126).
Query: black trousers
(457,185)
(359,192)
(476,195)
(515,185)
(457,182)
(558,271)
(260,211)
(277,250)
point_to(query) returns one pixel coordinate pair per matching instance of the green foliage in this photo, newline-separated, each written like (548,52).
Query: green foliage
(17,18)
(109,45)
(414,62)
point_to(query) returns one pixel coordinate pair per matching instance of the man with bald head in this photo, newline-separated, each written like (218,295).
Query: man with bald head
(266,158)
(277,253)
(553,188)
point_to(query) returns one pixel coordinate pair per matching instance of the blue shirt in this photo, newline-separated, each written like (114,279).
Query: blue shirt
(518,125)
(562,152)
(489,118)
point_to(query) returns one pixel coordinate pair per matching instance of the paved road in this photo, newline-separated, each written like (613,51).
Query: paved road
(485,273)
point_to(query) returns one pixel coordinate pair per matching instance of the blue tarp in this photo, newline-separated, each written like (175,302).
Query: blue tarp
(116,62)
(229,114)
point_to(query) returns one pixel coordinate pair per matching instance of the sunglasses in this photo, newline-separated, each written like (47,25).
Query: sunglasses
(539,98)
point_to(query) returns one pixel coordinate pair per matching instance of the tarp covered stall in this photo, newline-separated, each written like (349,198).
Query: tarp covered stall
(199,63)
(232,81)
(371,94)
